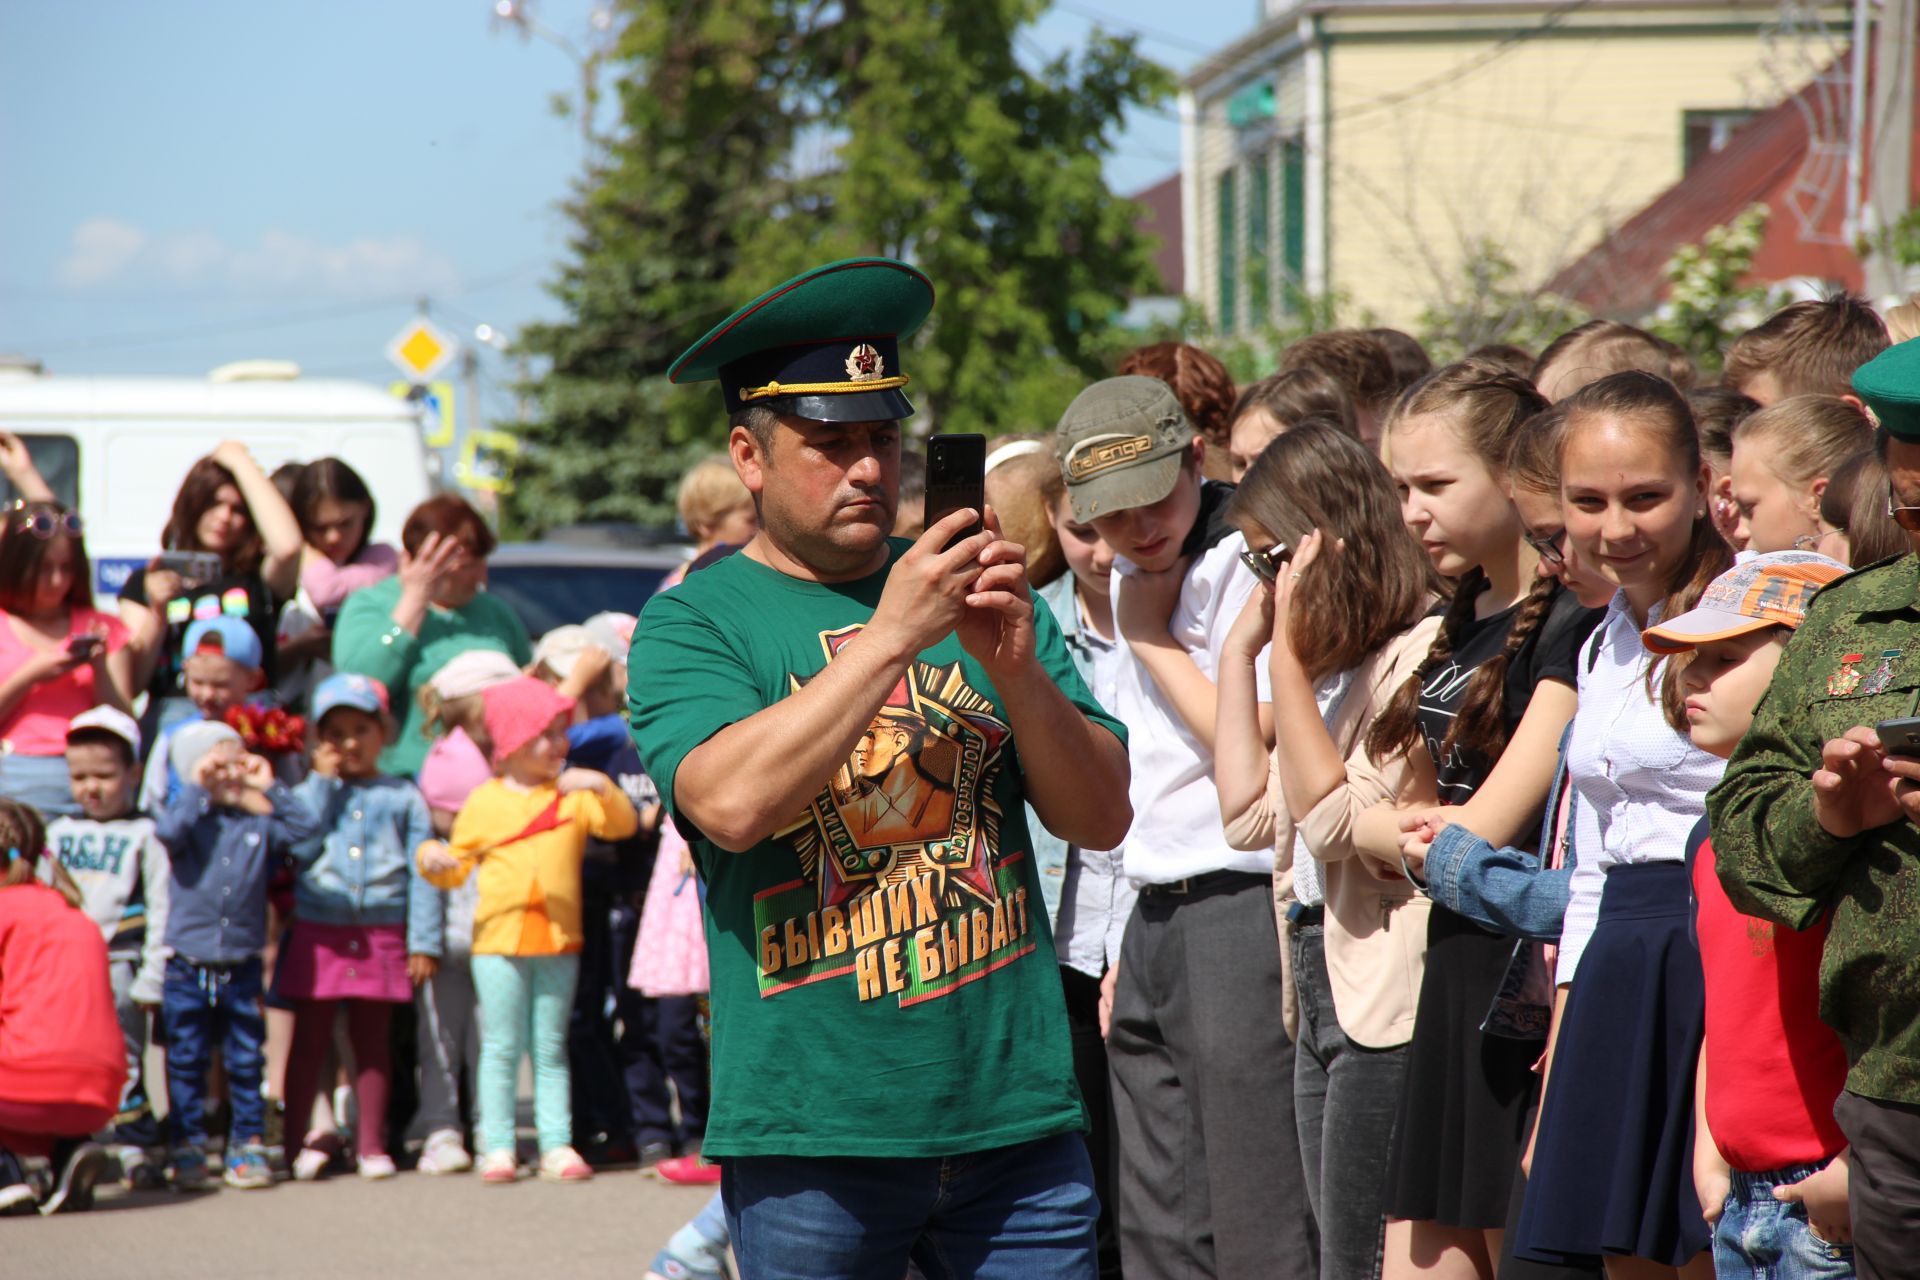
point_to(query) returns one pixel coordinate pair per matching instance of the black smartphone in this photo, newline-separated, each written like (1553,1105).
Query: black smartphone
(83,646)
(956,480)
(1900,737)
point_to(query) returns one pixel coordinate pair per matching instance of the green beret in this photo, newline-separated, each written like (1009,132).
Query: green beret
(1890,385)
(825,345)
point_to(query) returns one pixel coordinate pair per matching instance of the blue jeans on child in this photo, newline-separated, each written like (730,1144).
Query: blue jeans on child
(1024,1212)
(203,1005)
(524,1003)
(1759,1238)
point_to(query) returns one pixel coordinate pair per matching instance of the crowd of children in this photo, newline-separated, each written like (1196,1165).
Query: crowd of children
(1417,957)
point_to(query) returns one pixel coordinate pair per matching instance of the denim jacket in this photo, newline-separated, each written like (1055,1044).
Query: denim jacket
(1507,890)
(222,859)
(357,868)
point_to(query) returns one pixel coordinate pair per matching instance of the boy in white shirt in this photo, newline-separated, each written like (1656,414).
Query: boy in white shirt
(1210,1174)
(121,867)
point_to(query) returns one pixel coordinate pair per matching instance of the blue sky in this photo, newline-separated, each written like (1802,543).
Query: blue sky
(187,183)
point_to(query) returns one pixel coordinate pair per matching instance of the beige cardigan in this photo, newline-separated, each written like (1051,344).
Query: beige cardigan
(1376,930)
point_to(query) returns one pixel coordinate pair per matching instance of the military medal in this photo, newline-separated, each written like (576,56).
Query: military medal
(1883,674)
(1847,678)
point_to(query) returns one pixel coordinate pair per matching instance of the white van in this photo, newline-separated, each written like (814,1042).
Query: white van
(116,449)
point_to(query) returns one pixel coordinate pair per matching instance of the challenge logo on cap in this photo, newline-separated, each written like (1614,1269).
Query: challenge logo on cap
(1102,453)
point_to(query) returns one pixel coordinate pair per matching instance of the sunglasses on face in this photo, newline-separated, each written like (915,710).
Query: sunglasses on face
(1907,518)
(1549,547)
(1266,565)
(44,521)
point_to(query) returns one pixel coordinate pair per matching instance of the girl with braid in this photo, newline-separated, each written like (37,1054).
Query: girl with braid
(1497,684)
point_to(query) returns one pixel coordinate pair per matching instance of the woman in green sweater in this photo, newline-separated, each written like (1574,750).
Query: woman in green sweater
(403,629)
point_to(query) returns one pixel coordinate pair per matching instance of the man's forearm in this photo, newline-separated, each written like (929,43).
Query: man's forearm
(747,781)
(1076,771)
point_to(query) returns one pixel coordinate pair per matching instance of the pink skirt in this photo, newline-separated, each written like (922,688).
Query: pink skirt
(345,962)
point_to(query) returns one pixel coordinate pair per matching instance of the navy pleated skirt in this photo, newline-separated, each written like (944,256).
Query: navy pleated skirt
(1613,1165)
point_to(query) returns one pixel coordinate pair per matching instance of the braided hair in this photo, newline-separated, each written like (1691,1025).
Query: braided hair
(1488,405)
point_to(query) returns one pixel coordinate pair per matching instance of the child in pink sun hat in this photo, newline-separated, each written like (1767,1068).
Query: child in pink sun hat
(526,831)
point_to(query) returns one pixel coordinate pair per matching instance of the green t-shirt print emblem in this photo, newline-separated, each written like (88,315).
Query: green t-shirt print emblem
(902,881)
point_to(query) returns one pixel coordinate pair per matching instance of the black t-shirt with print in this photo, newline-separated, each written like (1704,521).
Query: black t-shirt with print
(234,595)
(1551,653)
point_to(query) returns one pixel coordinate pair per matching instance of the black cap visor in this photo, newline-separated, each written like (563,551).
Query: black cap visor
(855,406)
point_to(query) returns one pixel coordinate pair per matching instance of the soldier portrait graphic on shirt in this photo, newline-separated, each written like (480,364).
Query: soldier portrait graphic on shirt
(903,882)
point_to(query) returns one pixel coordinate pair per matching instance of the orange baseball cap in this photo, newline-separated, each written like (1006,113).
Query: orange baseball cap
(1771,590)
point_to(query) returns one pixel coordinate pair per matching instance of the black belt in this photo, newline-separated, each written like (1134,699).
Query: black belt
(1203,885)
(1302,916)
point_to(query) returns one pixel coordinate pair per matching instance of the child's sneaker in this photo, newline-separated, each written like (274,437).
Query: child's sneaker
(444,1153)
(17,1196)
(563,1164)
(138,1172)
(310,1164)
(689,1256)
(499,1166)
(187,1169)
(377,1168)
(247,1168)
(79,1169)
(688,1171)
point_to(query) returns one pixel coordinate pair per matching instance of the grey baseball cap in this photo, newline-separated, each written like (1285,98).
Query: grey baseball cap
(1120,444)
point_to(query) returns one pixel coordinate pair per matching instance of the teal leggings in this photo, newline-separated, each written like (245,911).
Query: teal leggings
(524,1004)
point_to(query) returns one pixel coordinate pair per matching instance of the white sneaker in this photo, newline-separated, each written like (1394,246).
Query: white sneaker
(563,1164)
(376,1168)
(499,1166)
(309,1165)
(444,1153)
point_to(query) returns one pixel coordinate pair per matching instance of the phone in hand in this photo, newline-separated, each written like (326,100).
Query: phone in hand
(83,647)
(1900,737)
(956,480)
(193,566)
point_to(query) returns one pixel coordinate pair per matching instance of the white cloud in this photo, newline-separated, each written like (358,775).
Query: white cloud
(106,251)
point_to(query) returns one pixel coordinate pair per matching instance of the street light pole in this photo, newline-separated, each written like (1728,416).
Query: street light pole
(518,14)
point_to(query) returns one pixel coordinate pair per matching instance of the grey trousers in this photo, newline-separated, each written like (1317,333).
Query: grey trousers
(1344,1096)
(449,1040)
(1210,1179)
(1883,1184)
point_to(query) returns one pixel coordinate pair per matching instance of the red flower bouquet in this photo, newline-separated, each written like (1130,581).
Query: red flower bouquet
(268,730)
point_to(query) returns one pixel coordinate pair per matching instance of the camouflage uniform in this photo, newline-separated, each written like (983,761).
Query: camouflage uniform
(1855,661)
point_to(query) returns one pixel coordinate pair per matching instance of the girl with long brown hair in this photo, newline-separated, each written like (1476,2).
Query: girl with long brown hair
(1611,1169)
(1345,606)
(1497,685)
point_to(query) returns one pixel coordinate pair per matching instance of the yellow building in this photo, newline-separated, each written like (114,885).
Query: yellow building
(1364,148)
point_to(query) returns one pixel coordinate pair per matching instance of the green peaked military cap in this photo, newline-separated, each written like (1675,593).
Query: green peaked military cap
(825,345)
(1890,385)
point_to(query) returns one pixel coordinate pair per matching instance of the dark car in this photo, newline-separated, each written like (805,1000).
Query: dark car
(550,583)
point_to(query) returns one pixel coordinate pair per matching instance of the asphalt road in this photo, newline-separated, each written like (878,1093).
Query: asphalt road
(452,1227)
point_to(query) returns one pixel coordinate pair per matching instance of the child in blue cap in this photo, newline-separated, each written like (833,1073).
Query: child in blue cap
(223,667)
(365,931)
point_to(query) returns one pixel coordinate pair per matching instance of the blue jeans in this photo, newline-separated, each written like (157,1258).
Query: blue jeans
(201,1005)
(40,781)
(1025,1212)
(1759,1238)
(524,1003)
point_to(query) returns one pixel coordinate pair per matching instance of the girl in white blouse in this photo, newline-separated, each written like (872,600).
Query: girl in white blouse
(1610,1173)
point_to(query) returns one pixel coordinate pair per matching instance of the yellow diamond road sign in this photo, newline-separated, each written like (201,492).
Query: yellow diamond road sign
(421,349)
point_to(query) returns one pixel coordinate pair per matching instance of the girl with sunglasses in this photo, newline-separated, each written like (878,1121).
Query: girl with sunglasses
(1497,685)
(59,656)
(1345,600)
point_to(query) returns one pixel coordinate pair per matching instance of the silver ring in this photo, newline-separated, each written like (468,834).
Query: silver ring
(1293,577)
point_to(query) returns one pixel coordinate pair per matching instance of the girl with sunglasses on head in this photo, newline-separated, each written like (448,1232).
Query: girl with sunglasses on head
(59,656)
(1345,600)
(228,511)
(1497,685)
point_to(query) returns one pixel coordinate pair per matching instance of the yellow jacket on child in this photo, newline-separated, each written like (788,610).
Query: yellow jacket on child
(528,846)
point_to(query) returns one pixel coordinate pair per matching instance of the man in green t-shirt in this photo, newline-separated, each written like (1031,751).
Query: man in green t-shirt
(847,729)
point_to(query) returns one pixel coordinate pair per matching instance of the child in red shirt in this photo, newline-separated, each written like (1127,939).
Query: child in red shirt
(62,1062)
(1770,1163)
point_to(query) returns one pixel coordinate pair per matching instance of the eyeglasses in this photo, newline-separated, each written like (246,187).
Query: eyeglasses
(1266,565)
(1549,547)
(44,520)
(1808,542)
(1907,518)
